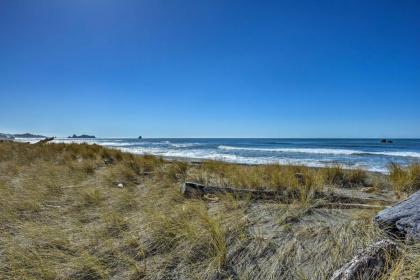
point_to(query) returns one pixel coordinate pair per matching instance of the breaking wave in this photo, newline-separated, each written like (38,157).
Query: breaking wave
(322,151)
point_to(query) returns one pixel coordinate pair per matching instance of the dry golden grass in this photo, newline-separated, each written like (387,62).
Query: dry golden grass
(63,216)
(405,179)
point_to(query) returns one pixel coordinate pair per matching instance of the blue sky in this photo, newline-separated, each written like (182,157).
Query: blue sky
(210,68)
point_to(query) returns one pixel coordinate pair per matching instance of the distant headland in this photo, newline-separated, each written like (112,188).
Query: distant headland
(83,136)
(29,135)
(20,135)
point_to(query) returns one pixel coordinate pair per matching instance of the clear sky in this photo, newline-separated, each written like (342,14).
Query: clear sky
(216,68)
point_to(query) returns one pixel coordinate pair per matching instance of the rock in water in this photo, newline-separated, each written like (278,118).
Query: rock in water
(402,219)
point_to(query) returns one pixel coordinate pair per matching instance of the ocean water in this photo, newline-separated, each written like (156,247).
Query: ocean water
(370,154)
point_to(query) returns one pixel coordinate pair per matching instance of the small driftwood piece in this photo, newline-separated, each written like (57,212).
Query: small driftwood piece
(370,263)
(191,189)
(45,140)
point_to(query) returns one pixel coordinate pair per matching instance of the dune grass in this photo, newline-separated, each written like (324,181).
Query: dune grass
(64,215)
(405,179)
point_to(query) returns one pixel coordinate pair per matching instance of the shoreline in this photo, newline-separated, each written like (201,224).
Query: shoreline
(315,164)
(199,161)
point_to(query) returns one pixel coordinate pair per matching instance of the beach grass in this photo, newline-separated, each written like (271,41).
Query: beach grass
(78,211)
(405,179)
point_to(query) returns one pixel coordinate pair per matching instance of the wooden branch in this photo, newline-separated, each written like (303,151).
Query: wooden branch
(370,263)
(350,206)
(337,197)
(191,189)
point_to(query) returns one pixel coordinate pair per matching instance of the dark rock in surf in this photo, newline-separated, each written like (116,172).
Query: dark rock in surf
(402,219)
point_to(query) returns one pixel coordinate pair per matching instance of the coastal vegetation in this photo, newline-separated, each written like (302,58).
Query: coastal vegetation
(78,211)
(405,179)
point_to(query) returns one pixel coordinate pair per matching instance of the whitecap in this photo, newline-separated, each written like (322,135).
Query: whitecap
(323,151)
(295,150)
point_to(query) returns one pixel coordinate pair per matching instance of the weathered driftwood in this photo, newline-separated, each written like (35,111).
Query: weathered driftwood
(45,140)
(350,206)
(369,263)
(402,219)
(191,189)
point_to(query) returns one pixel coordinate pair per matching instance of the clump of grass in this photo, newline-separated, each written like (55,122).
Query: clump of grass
(92,197)
(122,173)
(294,212)
(407,267)
(298,180)
(127,201)
(337,176)
(115,224)
(177,170)
(89,166)
(131,169)
(196,238)
(405,179)
(24,263)
(88,267)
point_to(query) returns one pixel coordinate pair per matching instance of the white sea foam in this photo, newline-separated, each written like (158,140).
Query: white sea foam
(295,150)
(117,144)
(29,140)
(184,145)
(398,154)
(214,155)
(323,151)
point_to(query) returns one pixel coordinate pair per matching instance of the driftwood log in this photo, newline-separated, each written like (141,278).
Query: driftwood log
(191,189)
(369,263)
(334,205)
(403,219)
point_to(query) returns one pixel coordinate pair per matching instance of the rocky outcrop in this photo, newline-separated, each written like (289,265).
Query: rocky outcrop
(402,219)
(83,136)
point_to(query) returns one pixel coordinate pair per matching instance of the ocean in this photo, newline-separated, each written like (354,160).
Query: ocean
(369,154)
